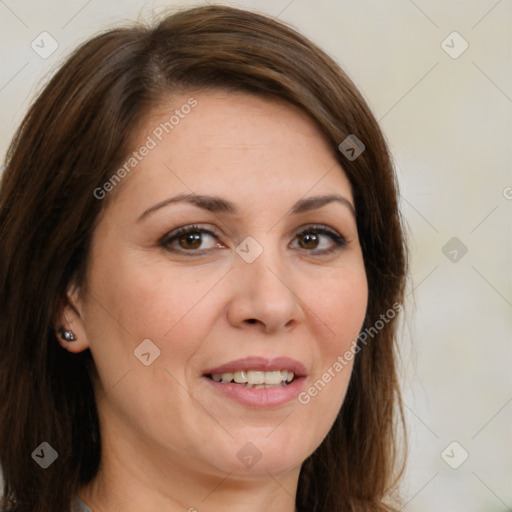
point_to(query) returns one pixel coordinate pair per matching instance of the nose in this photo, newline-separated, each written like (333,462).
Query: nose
(264,295)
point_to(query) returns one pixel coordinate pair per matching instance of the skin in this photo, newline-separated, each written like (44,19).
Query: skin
(169,441)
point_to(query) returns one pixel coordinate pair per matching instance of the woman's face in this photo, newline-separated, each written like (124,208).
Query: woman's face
(266,279)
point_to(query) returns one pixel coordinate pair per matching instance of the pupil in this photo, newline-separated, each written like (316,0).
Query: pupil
(191,240)
(310,239)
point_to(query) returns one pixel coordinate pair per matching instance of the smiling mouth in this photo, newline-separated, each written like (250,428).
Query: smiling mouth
(255,379)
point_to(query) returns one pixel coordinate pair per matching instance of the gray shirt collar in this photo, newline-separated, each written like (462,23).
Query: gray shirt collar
(77,505)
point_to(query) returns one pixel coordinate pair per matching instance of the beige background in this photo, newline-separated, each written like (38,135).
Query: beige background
(449,124)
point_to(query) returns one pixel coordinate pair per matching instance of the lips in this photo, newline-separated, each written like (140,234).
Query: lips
(263,395)
(260,364)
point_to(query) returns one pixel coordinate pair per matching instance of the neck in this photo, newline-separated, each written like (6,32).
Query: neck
(105,494)
(153,481)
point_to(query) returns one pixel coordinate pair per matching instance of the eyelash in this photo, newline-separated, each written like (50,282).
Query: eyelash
(338,240)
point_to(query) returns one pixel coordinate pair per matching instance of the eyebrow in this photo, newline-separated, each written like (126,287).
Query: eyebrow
(218,205)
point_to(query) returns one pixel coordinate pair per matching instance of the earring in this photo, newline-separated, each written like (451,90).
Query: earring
(67,334)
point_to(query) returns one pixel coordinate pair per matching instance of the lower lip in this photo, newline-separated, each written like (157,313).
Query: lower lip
(263,397)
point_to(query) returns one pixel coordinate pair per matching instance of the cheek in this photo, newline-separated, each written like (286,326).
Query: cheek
(140,300)
(136,300)
(341,305)
(340,302)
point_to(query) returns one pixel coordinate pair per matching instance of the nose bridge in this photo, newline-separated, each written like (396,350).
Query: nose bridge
(262,261)
(264,286)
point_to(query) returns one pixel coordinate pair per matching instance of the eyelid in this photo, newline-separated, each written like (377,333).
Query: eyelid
(186,229)
(338,239)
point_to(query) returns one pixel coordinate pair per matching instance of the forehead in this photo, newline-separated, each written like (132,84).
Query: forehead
(234,144)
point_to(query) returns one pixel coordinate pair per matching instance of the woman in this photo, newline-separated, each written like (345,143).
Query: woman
(202,264)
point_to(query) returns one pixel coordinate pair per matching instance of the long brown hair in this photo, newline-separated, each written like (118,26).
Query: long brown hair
(73,138)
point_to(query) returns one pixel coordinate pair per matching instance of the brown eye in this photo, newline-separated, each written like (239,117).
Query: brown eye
(308,240)
(313,239)
(192,239)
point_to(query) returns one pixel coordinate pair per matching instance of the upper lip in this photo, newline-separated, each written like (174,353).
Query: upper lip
(260,364)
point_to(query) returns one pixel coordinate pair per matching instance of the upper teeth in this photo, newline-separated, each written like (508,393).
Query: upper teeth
(255,377)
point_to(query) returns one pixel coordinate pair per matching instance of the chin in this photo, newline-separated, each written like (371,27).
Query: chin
(260,452)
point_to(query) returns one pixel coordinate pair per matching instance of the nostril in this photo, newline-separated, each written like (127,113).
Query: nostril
(252,320)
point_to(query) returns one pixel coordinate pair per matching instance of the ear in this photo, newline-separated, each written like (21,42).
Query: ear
(70,316)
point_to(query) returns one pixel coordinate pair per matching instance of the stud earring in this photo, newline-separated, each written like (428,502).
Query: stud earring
(67,334)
